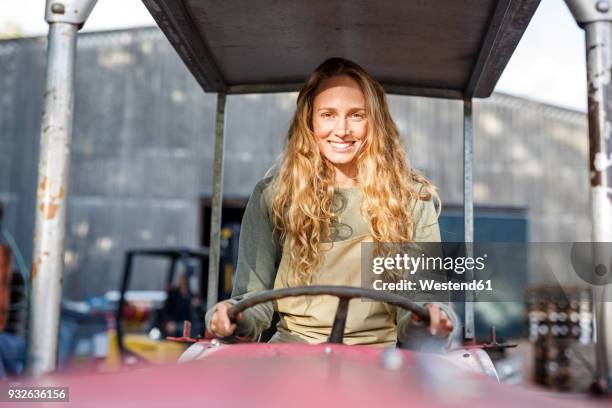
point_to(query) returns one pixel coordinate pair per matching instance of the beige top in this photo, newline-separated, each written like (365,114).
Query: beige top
(263,264)
(310,317)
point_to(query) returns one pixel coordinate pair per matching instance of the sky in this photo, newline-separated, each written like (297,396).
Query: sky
(547,66)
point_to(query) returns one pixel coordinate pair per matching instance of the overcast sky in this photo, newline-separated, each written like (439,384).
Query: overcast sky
(548,64)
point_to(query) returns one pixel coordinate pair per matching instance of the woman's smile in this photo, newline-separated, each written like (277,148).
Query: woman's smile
(343,147)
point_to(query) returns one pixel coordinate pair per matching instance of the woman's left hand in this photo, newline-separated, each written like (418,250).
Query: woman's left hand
(439,322)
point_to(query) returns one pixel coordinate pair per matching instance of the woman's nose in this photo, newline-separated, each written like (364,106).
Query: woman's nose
(342,127)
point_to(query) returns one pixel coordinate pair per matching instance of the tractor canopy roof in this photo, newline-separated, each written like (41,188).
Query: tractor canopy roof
(439,48)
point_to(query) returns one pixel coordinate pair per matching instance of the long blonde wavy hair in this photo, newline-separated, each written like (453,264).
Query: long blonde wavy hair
(302,208)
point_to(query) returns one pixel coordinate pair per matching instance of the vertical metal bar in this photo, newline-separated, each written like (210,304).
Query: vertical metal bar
(595,17)
(64,19)
(217,203)
(170,277)
(125,281)
(50,229)
(468,210)
(599,69)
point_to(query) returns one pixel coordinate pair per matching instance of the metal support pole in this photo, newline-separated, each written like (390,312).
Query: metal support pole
(217,203)
(596,20)
(64,18)
(599,64)
(468,211)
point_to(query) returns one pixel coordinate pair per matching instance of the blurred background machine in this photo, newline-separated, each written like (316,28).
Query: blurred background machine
(141,327)
(13,301)
(560,327)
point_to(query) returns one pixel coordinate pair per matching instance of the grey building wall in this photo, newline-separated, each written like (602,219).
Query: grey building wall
(526,154)
(143,144)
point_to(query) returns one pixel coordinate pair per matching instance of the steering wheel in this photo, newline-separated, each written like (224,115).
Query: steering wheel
(343,293)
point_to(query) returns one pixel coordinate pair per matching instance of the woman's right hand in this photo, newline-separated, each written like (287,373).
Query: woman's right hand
(220,324)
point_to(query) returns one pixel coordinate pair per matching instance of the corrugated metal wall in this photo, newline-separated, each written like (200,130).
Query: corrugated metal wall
(143,144)
(526,154)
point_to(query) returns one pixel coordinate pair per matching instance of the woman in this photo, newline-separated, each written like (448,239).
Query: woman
(343,180)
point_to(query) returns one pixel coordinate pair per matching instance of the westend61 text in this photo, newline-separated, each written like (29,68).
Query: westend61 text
(429,284)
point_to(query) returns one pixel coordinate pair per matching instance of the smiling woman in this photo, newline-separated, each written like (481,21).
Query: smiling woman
(344,180)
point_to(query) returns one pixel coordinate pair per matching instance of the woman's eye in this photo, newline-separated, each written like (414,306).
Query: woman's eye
(326,115)
(358,116)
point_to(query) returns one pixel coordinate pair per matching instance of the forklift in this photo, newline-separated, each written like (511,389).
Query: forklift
(155,346)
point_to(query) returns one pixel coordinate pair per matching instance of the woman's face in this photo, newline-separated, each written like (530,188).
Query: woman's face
(339,121)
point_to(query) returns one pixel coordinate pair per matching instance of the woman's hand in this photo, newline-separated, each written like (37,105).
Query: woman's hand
(220,324)
(439,322)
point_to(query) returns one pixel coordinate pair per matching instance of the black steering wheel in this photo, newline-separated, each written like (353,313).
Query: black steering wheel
(343,293)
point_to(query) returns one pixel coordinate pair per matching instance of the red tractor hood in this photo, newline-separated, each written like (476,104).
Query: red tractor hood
(271,375)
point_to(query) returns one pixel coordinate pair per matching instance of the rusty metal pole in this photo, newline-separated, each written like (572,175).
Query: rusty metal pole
(217,203)
(468,212)
(595,17)
(64,18)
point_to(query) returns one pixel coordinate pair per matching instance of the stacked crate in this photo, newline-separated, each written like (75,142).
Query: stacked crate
(560,326)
